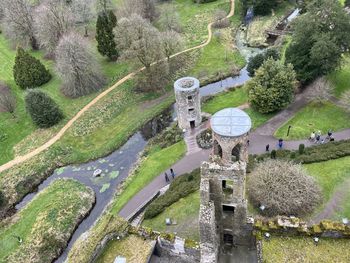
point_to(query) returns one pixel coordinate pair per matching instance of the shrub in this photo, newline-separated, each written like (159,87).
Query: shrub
(273,154)
(28,71)
(256,61)
(42,109)
(7,99)
(273,86)
(284,188)
(205,139)
(181,187)
(301,148)
(2,199)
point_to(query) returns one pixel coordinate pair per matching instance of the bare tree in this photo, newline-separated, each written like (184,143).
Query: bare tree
(53,19)
(77,66)
(172,42)
(139,40)
(144,8)
(18,22)
(7,100)
(103,5)
(321,91)
(83,11)
(170,20)
(283,188)
(220,19)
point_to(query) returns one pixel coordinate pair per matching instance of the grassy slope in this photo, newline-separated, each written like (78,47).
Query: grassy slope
(184,212)
(55,210)
(126,248)
(330,175)
(299,249)
(155,163)
(341,77)
(314,118)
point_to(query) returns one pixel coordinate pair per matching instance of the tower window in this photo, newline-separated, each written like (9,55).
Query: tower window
(190,110)
(228,239)
(189,97)
(230,209)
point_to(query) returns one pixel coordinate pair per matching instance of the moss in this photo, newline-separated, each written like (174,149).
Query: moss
(189,243)
(168,236)
(316,229)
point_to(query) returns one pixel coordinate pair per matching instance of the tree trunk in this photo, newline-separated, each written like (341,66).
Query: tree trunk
(34,43)
(86,32)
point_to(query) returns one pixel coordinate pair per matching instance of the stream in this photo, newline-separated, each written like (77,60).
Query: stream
(116,166)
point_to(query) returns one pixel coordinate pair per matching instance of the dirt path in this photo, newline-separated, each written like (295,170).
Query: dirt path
(334,204)
(45,146)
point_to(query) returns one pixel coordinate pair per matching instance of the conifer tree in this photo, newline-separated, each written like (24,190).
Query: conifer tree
(42,109)
(106,45)
(28,71)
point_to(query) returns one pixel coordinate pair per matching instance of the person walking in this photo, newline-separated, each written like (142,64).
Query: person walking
(312,136)
(172,173)
(280,143)
(166,177)
(318,138)
(267,147)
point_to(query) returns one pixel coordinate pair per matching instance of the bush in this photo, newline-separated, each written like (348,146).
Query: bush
(301,148)
(181,187)
(2,199)
(284,188)
(28,71)
(259,59)
(264,7)
(273,86)
(205,139)
(273,154)
(42,109)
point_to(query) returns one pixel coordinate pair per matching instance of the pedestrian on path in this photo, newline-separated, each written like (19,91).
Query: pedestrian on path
(312,136)
(267,147)
(172,173)
(248,142)
(280,143)
(166,177)
(318,138)
(329,134)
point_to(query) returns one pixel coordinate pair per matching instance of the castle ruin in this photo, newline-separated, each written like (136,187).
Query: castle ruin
(188,106)
(223,208)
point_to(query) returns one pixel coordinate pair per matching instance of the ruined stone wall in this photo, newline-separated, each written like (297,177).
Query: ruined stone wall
(188,107)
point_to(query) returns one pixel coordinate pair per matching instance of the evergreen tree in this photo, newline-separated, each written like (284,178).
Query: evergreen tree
(28,71)
(256,61)
(272,88)
(42,109)
(106,45)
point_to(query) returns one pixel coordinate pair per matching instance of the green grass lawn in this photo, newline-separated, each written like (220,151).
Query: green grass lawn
(126,248)
(303,249)
(330,175)
(313,118)
(46,223)
(341,78)
(185,212)
(155,163)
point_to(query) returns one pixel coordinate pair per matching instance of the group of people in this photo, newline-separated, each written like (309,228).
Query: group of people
(280,145)
(316,137)
(166,176)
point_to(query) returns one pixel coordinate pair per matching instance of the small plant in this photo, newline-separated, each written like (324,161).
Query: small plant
(301,148)
(292,155)
(273,154)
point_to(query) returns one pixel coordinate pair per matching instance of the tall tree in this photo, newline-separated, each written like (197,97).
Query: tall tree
(7,99)
(171,42)
(319,40)
(83,12)
(78,67)
(106,22)
(18,22)
(264,7)
(28,71)
(144,8)
(53,19)
(273,86)
(42,109)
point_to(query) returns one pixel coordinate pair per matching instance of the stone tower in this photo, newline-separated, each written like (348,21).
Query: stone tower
(223,209)
(188,106)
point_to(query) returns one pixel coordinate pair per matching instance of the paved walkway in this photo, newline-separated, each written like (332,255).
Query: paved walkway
(258,140)
(20,159)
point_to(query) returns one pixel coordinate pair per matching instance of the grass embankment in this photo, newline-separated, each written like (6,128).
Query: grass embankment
(134,248)
(155,163)
(235,98)
(184,212)
(303,249)
(341,78)
(315,117)
(46,223)
(331,175)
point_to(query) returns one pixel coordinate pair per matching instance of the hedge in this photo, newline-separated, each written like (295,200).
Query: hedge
(181,187)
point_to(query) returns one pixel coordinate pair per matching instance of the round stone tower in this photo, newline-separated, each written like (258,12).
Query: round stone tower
(188,106)
(230,135)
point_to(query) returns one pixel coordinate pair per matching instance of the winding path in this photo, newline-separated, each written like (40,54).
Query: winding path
(20,159)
